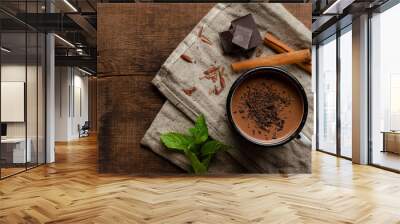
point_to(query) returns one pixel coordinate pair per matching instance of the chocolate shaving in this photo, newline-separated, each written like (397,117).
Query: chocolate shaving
(221,81)
(215,74)
(187,58)
(213,78)
(189,91)
(264,105)
(217,90)
(221,70)
(200,31)
(205,40)
(210,74)
(210,70)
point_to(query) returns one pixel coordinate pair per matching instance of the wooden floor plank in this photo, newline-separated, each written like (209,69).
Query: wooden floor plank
(72,191)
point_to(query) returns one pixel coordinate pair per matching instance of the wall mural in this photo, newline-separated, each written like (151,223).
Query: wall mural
(237,79)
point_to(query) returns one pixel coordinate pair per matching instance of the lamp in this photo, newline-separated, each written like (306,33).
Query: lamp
(84,71)
(65,41)
(5,50)
(337,7)
(70,5)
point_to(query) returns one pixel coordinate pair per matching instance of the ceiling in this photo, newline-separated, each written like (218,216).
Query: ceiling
(332,15)
(57,5)
(74,22)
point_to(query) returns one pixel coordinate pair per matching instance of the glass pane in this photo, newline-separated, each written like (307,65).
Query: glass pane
(385,84)
(345,93)
(31,88)
(327,96)
(31,98)
(13,89)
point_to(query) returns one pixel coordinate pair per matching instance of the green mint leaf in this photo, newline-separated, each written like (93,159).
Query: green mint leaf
(195,148)
(206,161)
(200,131)
(211,147)
(197,166)
(176,141)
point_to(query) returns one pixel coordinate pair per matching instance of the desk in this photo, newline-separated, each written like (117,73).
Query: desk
(391,141)
(13,150)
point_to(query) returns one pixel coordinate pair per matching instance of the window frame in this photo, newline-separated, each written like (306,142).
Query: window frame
(338,34)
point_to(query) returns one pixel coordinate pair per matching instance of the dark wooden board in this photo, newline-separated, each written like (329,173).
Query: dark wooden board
(139,37)
(133,42)
(127,105)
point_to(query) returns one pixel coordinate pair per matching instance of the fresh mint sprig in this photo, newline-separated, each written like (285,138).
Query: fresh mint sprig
(196,146)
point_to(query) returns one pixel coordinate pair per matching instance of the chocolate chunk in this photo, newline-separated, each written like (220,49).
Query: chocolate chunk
(248,22)
(242,37)
(226,42)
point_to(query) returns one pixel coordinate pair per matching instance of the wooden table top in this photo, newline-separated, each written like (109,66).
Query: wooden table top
(134,40)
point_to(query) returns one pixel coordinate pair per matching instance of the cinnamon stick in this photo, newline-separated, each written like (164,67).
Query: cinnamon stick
(280,47)
(273,60)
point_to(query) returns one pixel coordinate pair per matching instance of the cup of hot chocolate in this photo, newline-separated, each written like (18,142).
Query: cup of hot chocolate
(267,106)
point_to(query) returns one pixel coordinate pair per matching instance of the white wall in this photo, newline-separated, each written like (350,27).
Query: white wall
(80,110)
(62,82)
(71,102)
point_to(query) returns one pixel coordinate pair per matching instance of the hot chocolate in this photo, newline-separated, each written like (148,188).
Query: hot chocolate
(267,108)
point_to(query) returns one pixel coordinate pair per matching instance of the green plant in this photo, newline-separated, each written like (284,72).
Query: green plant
(196,146)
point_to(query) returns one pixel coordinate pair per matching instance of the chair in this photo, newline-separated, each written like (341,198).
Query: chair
(84,130)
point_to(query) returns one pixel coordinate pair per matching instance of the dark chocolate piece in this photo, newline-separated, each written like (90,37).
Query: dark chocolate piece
(227,45)
(248,21)
(242,37)
(226,41)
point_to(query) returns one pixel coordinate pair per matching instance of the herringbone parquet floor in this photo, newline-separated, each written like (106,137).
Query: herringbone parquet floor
(71,191)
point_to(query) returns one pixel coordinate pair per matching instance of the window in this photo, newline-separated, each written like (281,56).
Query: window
(22,77)
(326,94)
(346,92)
(385,89)
(334,109)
